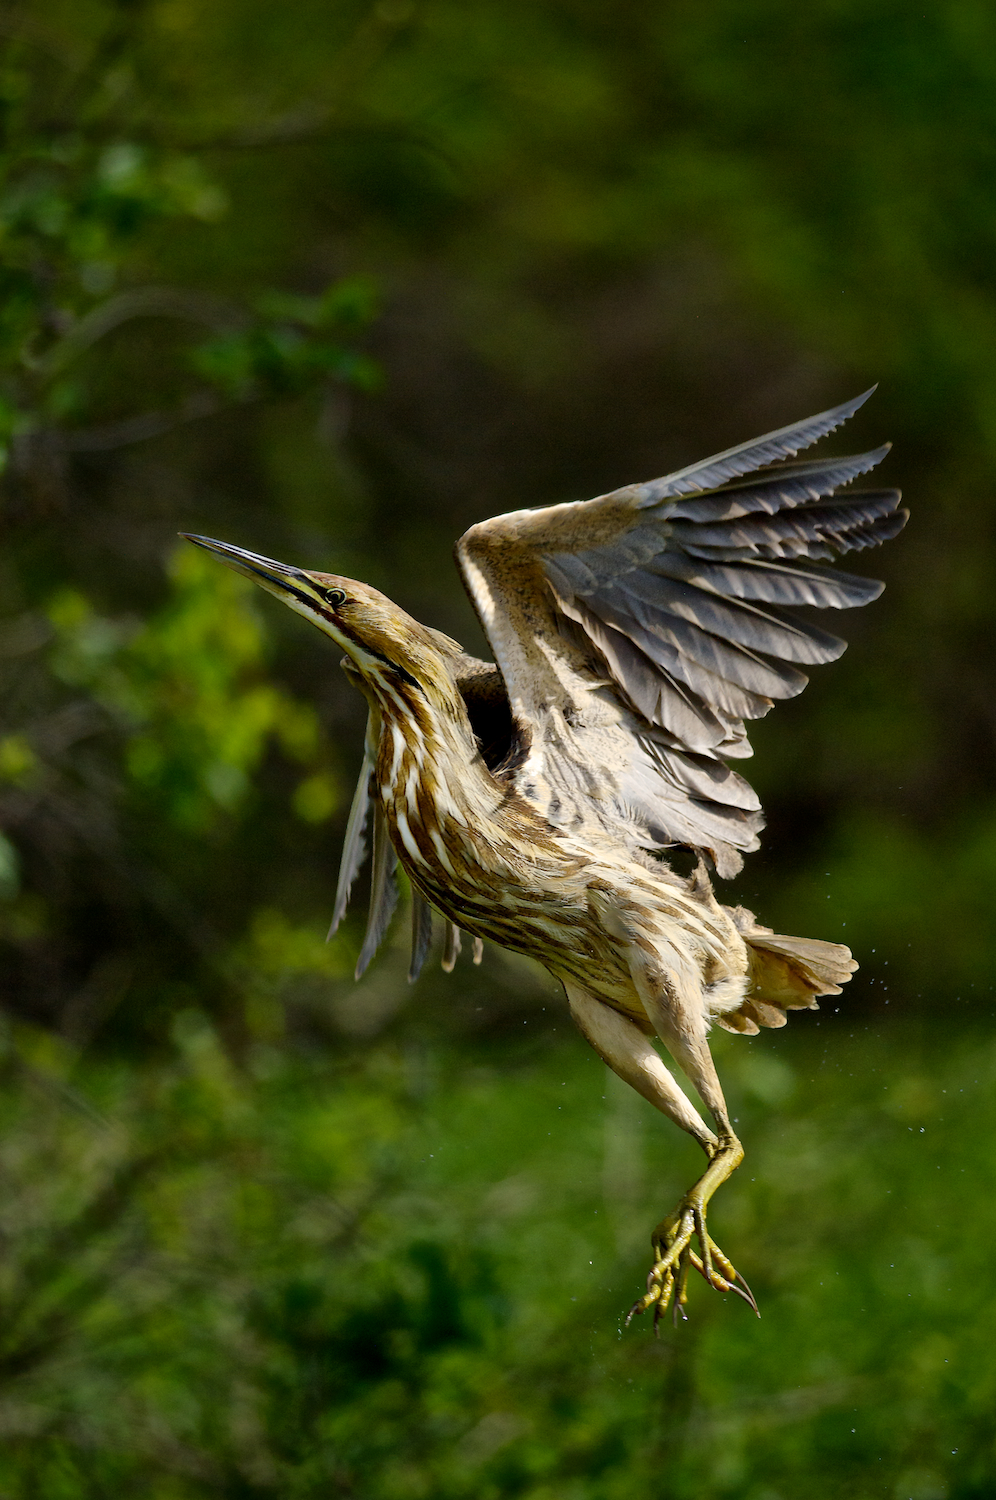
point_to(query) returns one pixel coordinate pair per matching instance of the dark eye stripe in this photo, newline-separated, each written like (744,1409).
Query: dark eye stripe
(335,597)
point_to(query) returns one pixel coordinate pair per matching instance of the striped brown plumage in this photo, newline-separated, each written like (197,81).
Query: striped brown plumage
(531,801)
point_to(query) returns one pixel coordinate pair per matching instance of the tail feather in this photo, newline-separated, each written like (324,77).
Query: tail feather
(786,973)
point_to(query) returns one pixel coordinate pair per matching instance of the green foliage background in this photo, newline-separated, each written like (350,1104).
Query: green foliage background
(333,281)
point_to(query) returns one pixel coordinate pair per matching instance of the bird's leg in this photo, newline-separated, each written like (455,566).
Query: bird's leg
(629,1053)
(673,1001)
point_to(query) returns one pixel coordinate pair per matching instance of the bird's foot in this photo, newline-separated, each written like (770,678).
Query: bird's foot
(667,1283)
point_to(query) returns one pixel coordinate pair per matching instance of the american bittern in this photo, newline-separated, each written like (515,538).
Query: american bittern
(529,802)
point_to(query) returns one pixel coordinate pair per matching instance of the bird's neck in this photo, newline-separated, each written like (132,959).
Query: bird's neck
(467,840)
(429,769)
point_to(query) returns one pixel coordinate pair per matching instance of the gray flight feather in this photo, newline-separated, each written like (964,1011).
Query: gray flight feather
(354,848)
(383,890)
(783,443)
(421,934)
(789,484)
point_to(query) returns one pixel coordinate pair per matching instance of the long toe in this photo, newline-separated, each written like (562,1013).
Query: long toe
(674,1256)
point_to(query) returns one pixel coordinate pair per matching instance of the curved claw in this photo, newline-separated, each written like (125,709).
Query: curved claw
(731,1282)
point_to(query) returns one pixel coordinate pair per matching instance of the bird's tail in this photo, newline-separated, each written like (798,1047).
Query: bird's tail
(786,973)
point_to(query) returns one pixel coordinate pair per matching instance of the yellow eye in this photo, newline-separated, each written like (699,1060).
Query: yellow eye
(335,597)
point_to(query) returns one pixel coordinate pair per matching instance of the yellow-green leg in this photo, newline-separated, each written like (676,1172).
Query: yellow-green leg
(672,1243)
(672,998)
(629,1053)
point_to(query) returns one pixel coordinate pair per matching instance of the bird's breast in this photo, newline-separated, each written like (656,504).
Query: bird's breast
(486,860)
(482,856)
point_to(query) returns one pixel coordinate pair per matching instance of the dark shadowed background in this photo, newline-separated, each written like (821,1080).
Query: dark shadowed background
(332,281)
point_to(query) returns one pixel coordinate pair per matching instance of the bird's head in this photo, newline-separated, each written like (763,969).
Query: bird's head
(393,654)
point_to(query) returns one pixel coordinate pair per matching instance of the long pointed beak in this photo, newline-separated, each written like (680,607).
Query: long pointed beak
(293,586)
(276,577)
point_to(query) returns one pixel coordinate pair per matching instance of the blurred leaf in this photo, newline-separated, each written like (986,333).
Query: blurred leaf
(10,870)
(18,761)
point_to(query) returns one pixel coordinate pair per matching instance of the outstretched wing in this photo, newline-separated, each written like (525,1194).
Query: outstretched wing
(638,631)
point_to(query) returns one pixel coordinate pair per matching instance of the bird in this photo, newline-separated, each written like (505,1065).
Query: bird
(541,801)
